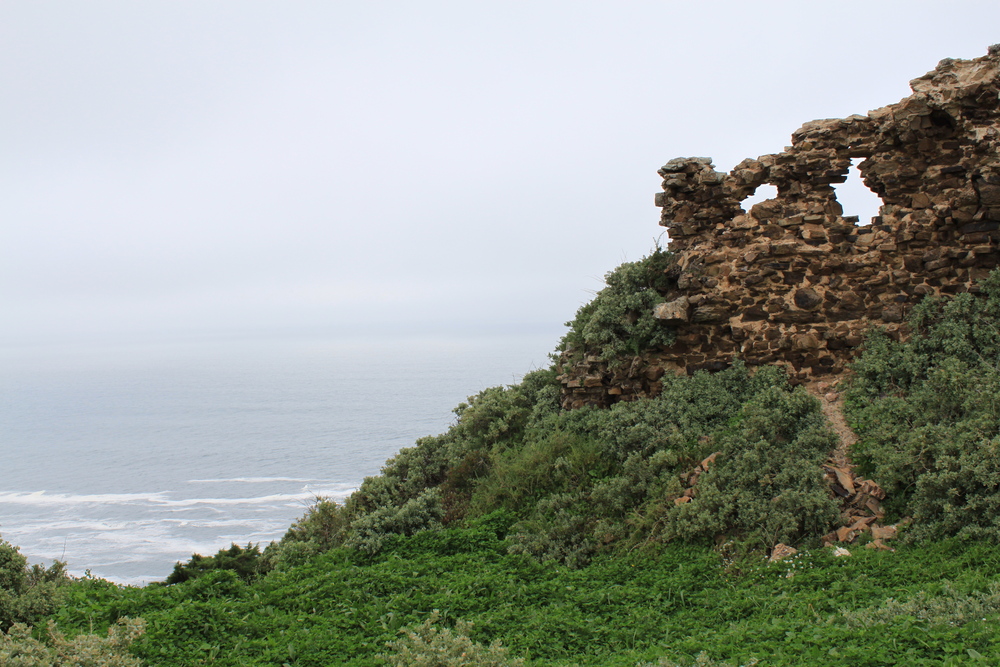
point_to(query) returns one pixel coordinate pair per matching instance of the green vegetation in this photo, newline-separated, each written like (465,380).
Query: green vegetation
(633,535)
(27,594)
(582,482)
(675,601)
(619,322)
(18,648)
(928,415)
(431,646)
(245,562)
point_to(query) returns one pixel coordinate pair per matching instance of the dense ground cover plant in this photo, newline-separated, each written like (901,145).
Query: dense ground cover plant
(928,414)
(674,602)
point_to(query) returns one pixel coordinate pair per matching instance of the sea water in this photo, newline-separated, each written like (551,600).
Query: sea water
(123,459)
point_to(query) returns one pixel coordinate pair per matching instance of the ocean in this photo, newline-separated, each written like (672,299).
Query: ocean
(124,459)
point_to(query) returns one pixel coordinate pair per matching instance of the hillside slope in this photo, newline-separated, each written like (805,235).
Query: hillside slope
(653,517)
(636,534)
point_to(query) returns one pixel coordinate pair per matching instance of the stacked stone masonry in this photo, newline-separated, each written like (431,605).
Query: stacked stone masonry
(793,280)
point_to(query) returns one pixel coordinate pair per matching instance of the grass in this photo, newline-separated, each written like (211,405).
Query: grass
(675,601)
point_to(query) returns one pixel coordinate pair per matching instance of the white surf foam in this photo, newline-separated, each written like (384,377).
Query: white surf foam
(251,480)
(45,498)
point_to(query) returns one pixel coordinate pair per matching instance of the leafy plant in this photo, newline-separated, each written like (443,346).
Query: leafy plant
(244,561)
(927,411)
(370,531)
(950,607)
(619,321)
(322,527)
(18,648)
(700,660)
(766,486)
(27,594)
(430,646)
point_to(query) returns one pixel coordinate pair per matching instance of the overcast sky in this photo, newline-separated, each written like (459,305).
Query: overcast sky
(187,168)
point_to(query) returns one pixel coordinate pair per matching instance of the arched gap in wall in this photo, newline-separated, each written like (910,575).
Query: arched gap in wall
(855,197)
(762,193)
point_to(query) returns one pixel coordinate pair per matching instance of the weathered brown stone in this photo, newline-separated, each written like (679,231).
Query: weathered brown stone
(673,312)
(654,373)
(807,298)
(989,195)
(801,342)
(893,313)
(796,317)
(710,314)
(803,281)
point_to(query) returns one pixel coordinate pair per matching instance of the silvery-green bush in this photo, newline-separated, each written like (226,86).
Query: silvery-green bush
(428,645)
(18,648)
(927,412)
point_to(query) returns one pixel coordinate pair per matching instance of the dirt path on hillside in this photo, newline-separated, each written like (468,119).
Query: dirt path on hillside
(831,402)
(859,498)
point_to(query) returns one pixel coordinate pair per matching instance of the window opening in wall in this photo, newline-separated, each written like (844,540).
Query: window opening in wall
(762,193)
(855,197)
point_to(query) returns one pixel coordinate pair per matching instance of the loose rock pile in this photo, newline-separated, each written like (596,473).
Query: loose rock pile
(793,280)
(861,508)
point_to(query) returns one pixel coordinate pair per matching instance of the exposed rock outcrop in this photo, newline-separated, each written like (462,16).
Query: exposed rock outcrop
(795,281)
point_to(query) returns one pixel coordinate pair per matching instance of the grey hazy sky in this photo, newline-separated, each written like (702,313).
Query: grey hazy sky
(178,167)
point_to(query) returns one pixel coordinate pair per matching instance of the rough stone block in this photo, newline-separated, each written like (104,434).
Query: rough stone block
(892,313)
(673,312)
(796,317)
(802,342)
(710,314)
(989,195)
(983,226)
(807,298)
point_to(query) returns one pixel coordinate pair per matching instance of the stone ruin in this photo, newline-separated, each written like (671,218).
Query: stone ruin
(793,280)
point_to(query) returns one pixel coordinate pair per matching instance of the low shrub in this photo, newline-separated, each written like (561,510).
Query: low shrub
(244,561)
(766,486)
(323,523)
(560,528)
(27,594)
(18,648)
(430,646)
(322,527)
(369,531)
(927,412)
(618,322)
(949,607)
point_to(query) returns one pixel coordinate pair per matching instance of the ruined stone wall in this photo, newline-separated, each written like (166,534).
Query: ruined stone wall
(793,280)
